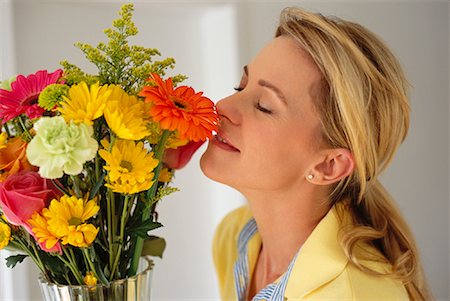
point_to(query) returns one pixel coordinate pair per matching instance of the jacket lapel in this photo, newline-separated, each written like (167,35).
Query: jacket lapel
(321,258)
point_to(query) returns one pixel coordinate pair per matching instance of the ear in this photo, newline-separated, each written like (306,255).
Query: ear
(334,165)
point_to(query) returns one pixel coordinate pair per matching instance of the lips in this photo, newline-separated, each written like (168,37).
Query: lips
(222,141)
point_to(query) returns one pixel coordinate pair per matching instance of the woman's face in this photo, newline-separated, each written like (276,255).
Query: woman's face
(269,130)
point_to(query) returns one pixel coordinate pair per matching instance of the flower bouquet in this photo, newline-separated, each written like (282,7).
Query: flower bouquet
(85,159)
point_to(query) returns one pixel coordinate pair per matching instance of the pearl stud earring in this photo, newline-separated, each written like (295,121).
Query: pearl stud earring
(310,177)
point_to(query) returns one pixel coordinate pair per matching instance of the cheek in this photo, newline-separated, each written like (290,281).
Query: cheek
(276,162)
(293,147)
(271,158)
(274,159)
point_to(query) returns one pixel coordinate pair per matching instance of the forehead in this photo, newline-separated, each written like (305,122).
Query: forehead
(287,65)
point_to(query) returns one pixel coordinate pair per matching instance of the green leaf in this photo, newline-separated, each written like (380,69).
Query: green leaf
(96,187)
(53,264)
(11,261)
(154,246)
(142,228)
(100,273)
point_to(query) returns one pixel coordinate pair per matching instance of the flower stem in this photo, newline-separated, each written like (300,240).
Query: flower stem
(112,142)
(91,265)
(38,258)
(67,279)
(109,200)
(62,190)
(24,127)
(121,235)
(110,211)
(19,243)
(159,152)
(72,266)
(139,241)
(76,186)
(113,219)
(98,131)
(97,168)
(5,126)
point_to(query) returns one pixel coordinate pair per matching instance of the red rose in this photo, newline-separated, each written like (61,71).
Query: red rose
(177,158)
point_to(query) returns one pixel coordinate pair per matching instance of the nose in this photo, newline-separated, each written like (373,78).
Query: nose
(229,110)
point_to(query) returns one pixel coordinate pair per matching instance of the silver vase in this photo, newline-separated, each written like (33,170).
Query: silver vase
(136,288)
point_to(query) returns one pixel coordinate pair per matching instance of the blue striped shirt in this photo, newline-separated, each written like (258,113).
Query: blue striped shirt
(272,292)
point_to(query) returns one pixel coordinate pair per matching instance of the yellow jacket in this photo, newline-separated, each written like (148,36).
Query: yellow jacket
(321,270)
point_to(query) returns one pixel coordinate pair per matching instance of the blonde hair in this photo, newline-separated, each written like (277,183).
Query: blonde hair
(363,104)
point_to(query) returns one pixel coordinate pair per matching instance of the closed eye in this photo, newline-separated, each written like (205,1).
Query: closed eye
(262,109)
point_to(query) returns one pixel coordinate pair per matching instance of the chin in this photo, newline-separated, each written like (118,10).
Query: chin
(207,167)
(220,168)
(210,169)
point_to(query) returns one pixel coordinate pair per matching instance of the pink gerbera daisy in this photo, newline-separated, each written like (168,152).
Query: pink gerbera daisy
(22,99)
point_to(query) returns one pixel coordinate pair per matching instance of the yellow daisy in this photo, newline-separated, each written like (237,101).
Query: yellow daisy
(130,166)
(85,104)
(126,116)
(165,175)
(67,218)
(90,279)
(41,231)
(5,235)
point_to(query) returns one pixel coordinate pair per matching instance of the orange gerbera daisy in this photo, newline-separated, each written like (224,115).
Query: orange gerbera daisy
(13,158)
(181,109)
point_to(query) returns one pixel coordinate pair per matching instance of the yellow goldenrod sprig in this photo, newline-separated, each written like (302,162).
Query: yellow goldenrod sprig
(118,62)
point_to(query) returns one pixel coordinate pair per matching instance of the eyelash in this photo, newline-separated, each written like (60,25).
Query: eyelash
(257,105)
(262,109)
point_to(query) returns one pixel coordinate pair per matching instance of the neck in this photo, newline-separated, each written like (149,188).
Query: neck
(285,220)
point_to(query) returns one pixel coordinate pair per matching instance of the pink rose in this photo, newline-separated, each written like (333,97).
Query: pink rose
(23,194)
(178,158)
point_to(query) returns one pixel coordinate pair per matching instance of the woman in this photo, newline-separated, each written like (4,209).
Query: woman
(319,113)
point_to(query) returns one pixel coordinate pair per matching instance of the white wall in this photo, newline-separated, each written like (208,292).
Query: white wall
(211,40)
(12,284)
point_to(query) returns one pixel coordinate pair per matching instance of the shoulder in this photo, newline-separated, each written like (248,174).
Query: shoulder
(354,284)
(366,286)
(225,251)
(323,271)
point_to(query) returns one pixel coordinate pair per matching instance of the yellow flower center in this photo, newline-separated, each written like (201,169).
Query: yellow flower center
(2,236)
(127,165)
(75,221)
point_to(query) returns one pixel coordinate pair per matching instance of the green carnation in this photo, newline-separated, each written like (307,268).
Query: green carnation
(60,148)
(52,95)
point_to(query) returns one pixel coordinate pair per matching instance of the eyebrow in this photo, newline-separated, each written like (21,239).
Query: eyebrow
(277,91)
(266,84)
